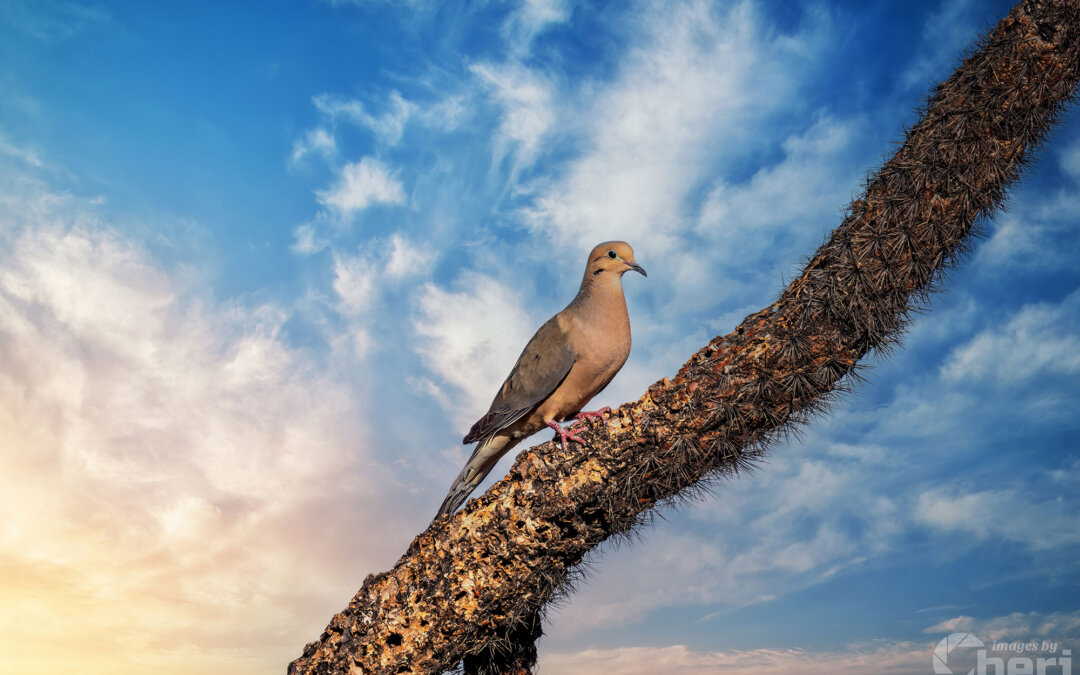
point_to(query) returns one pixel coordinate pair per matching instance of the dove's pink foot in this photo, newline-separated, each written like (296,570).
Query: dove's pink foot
(564,433)
(602,413)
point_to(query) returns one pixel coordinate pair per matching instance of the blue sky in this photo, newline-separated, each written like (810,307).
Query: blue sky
(262,264)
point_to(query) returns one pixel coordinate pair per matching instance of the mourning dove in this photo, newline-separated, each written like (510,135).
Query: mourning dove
(570,359)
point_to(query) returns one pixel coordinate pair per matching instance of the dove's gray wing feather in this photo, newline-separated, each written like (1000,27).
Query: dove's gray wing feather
(542,366)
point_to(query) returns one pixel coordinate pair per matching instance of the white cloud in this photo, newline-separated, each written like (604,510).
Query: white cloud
(362,280)
(444,115)
(532,18)
(772,185)
(405,259)
(388,127)
(412,4)
(1009,515)
(53,21)
(470,338)
(22,154)
(945,33)
(355,284)
(905,657)
(526,98)
(1062,627)
(360,185)
(1069,160)
(317,140)
(694,93)
(169,469)
(752,220)
(1039,339)
(1033,236)
(1017,243)
(306,240)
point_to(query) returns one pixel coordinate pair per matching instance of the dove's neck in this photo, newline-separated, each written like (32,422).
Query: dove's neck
(602,292)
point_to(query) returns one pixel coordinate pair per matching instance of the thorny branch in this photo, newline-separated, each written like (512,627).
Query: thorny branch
(472,586)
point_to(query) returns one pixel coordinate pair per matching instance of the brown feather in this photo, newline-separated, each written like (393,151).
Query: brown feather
(540,369)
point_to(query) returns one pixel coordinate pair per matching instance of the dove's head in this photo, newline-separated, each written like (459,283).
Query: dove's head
(612,256)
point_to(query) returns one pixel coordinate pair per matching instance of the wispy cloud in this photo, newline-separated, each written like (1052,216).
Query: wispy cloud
(319,141)
(23,154)
(525,97)
(387,127)
(406,258)
(470,337)
(1037,340)
(531,19)
(1035,238)
(360,185)
(694,96)
(362,279)
(1062,627)
(306,240)
(1004,515)
(945,33)
(53,20)
(354,285)
(901,657)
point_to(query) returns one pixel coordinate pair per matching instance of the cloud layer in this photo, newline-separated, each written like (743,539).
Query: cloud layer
(170,467)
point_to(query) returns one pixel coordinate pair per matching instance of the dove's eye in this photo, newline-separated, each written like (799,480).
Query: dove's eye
(611,254)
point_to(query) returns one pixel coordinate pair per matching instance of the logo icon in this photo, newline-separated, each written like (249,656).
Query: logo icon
(950,644)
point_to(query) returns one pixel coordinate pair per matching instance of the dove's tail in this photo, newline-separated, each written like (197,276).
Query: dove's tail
(487,453)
